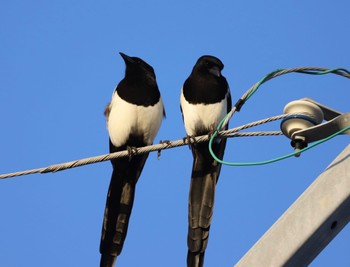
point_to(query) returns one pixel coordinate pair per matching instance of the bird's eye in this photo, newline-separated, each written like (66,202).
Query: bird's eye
(208,64)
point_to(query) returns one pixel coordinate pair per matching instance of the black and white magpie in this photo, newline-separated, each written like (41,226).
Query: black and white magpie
(133,119)
(205,100)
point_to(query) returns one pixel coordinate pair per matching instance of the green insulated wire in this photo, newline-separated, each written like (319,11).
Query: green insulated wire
(257,163)
(273,74)
(263,80)
(278,72)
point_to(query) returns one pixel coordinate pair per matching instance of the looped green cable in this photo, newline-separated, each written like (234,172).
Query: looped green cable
(253,90)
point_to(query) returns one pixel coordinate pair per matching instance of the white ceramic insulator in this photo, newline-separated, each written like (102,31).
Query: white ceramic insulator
(305,108)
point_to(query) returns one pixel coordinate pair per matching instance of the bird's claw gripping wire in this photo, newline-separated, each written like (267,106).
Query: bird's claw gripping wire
(189,140)
(132,151)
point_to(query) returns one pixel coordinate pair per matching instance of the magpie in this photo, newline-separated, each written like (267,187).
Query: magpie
(205,100)
(133,119)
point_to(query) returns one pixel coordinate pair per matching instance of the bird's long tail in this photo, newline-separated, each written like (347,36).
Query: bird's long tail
(119,205)
(205,173)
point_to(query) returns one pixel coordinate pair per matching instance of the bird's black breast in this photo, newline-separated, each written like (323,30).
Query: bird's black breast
(141,92)
(198,90)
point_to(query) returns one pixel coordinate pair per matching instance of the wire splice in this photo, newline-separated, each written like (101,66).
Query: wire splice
(239,104)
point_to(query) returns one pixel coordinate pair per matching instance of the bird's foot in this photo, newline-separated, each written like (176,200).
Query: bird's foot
(211,133)
(190,140)
(132,151)
(217,138)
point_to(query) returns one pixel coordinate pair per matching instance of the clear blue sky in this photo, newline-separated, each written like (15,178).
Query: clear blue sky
(59,64)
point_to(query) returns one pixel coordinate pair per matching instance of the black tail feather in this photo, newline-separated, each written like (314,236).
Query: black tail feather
(195,259)
(107,260)
(205,174)
(119,205)
(118,209)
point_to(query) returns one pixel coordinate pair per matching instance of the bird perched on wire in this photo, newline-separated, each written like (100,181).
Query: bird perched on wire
(133,119)
(205,100)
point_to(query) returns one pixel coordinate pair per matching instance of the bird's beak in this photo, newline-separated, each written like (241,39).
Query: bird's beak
(215,71)
(126,58)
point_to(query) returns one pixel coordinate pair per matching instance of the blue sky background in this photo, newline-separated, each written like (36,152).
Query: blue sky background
(59,65)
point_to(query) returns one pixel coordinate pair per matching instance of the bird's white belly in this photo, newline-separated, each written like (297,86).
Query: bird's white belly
(125,119)
(202,116)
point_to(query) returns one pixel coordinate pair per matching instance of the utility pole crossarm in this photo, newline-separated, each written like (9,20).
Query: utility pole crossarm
(309,224)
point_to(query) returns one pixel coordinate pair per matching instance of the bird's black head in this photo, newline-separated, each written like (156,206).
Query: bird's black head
(137,66)
(209,64)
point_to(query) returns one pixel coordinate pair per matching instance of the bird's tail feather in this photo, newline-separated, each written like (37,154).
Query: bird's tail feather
(119,205)
(107,260)
(195,259)
(205,173)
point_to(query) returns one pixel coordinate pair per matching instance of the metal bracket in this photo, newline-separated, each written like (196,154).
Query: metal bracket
(336,122)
